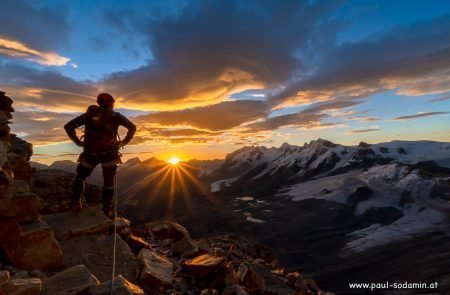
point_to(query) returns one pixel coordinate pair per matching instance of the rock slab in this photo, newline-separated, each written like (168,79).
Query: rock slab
(157,269)
(75,280)
(69,224)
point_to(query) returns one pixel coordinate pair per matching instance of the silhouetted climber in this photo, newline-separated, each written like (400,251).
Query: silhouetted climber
(101,145)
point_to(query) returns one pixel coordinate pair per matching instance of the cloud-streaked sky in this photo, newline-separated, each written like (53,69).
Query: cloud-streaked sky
(202,78)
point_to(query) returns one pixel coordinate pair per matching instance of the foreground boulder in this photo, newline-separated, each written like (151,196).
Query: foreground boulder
(23,206)
(75,280)
(182,243)
(203,264)
(87,221)
(96,253)
(251,279)
(33,246)
(120,287)
(157,269)
(137,243)
(22,287)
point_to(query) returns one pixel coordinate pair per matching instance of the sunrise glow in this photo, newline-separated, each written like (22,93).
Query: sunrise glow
(174,160)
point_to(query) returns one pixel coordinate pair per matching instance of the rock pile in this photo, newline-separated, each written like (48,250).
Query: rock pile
(63,252)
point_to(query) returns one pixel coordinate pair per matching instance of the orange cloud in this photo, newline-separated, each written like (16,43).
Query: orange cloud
(18,49)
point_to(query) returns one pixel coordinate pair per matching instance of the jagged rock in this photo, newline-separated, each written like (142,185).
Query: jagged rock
(22,206)
(137,244)
(300,284)
(186,247)
(234,290)
(364,144)
(96,253)
(326,143)
(75,280)
(88,221)
(18,186)
(203,264)
(20,167)
(4,278)
(157,271)
(120,287)
(6,103)
(35,247)
(256,274)
(23,287)
(21,147)
(182,245)
(222,277)
(250,278)
(4,148)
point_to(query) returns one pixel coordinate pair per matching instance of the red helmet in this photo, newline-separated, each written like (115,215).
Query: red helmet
(105,99)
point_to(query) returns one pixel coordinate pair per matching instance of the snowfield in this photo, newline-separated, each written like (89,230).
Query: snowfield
(390,170)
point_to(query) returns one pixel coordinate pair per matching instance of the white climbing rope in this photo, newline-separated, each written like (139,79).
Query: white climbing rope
(115,232)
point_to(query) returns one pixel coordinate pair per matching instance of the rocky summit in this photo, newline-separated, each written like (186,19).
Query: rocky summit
(45,249)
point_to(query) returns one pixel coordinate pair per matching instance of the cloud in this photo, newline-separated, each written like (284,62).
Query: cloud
(41,127)
(42,27)
(309,118)
(17,49)
(46,89)
(221,116)
(443,98)
(365,130)
(298,120)
(213,49)
(321,126)
(411,60)
(420,115)
(179,132)
(365,119)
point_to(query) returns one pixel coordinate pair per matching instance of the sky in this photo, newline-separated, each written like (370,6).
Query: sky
(203,78)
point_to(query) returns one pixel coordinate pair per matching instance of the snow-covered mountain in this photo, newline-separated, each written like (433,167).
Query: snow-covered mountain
(348,201)
(321,157)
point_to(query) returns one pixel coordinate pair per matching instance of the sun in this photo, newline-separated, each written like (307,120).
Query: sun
(174,160)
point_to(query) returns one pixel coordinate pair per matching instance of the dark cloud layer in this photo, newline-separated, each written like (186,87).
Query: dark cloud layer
(365,130)
(44,27)
(413,59)
(420,115)
(46,89)
(41,127)
(221,116)
(214,48)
